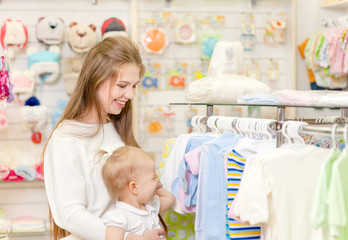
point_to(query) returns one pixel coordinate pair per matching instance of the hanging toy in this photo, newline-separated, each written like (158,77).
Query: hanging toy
(279,25)
(273,71)
(33,117)
(248,38)
(6,83)
(154,40)
(14,36)
(113,27)
(151,79)
(82,37)
(50,30)
(268,36)
(176,76)
(185,29)
(208,44)
(45,64)
(253,70)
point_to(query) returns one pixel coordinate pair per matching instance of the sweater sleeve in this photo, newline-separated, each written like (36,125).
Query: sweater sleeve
(65,172)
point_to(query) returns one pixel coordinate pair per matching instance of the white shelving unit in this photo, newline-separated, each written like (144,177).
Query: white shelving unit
(335,5)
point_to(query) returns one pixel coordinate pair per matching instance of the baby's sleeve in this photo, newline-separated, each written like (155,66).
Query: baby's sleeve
(115,218)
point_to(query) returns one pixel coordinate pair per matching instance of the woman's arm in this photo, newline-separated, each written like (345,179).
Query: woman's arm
(66,189)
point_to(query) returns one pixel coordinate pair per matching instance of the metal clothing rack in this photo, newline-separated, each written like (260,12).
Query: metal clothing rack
(280,116)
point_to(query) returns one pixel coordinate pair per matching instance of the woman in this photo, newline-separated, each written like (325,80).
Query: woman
(97,117)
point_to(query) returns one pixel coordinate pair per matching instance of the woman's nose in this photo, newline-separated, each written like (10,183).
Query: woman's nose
(130,93)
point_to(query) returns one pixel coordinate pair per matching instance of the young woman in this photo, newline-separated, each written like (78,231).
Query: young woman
(97,116)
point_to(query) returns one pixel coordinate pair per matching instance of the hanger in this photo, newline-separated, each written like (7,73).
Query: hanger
(333,137)
(211,123)
(226,123)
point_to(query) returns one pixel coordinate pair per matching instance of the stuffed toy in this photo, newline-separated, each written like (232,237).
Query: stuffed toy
(44,64)
(14,36)
(154,40)
(50,30)
(33,117)
(23,81)
(113,27)
(82,37)
(72,70)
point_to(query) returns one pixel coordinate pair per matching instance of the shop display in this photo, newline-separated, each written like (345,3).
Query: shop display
(44,64)
(113,27)
(185,29)
(14,36)
(50,30)
(82,37)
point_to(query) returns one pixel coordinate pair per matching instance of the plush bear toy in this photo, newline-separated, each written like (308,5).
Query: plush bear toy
(45,64)
(82,37)
(72,70)
(50,30)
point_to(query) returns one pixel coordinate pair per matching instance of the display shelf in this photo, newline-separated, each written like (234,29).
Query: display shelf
(21,184)
(336,5)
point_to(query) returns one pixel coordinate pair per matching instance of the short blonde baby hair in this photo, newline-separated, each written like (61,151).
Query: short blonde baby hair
(121,168)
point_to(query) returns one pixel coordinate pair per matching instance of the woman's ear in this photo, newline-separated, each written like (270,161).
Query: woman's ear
(133,187)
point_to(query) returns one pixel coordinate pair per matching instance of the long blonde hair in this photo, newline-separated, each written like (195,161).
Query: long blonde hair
(101,63)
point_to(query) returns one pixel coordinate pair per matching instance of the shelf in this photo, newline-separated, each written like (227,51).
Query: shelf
(26,234)
(22,184)
(260,105)
(340,4)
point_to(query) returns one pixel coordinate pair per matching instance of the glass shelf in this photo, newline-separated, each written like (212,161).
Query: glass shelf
(261,105)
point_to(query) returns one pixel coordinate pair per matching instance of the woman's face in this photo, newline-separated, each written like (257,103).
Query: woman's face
(113,95)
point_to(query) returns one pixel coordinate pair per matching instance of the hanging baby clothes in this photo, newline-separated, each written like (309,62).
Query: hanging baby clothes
(319,217)
(179,226)
(279,191)
(337,198)
(234,165)
(210,220)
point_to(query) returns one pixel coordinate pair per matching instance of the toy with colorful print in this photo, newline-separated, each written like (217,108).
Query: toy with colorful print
(248,38)
(211,28)
(153,121)
(177,76)
(198,70)
(152,78)
(6,83)
(154,38)
(273,72)
(185,29)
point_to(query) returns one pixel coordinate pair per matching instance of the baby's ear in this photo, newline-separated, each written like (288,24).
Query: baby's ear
(133,187)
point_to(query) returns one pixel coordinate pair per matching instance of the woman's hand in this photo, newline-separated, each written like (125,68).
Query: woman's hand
(155,234)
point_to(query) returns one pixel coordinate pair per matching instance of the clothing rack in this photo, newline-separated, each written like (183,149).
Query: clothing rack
(335,22)
(280,112)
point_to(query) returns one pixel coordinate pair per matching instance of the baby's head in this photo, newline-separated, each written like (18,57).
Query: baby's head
(130,169)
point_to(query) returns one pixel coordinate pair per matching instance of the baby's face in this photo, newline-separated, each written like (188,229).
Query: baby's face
(148,182)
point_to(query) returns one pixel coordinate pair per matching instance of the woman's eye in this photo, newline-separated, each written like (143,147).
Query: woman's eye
(121,86)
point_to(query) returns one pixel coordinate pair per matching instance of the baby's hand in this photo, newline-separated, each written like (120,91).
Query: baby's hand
(155,234)
(159,185)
